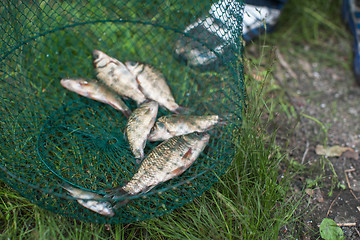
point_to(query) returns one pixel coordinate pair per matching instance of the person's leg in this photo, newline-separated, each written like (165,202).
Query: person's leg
(258,12)
(219,30)
(351,14)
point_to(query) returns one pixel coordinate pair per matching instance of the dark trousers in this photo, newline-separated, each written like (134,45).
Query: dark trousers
(269,3)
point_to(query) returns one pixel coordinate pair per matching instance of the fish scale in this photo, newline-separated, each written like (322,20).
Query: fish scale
(152,84)
(115,75)
(89,200)
(97,91)
(138,127)
(168,160)
(174,125)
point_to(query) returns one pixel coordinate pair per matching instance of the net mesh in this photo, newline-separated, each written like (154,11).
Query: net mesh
(50,135)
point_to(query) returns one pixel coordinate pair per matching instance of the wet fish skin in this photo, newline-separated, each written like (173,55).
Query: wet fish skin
(153,85)
(167,160)
(97,91)
(101,207)
(138,127)
(116,76)
(174,125)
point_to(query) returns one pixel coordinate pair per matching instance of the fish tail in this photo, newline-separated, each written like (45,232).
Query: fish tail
(225,119)
(126,111)
(222,121)
(115,194)
(67,186)
(120,204)
(183,110)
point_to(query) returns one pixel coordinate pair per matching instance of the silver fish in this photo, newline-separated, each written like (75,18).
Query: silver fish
(153,85)
(166,161)
(101,207)
(174,125)
(116,76)
(96,90)
(138,127)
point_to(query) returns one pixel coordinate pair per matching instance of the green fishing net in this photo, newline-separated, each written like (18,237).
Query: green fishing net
(51,136)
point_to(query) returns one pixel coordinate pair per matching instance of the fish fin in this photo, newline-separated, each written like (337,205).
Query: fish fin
(127,113)
(139,85)
(115,194)
(147,111)
(138,160)
(188,154)
(186,157)
(178,171)
(183,110)
(145,101)
(147,189)
(120,204)
(221,122)
(125,135)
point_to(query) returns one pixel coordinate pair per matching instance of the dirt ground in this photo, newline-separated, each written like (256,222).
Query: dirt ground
(319,82)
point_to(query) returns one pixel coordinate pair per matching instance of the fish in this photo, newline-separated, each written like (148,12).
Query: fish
(100,207)
(116,76)
(153,85)
(138,127)
(97,91)
(166,161)
(174,125)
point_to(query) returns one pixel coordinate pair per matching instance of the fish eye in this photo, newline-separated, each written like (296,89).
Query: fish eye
(132,64)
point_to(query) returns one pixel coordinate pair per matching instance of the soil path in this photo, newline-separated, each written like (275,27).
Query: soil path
(320,85)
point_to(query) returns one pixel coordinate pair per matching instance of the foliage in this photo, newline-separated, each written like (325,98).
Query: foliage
(330,231)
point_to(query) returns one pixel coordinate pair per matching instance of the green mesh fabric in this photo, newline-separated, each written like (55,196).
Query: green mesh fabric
(50,135)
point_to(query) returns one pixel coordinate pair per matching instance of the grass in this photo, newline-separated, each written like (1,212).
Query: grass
(309,22)
(251,200)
